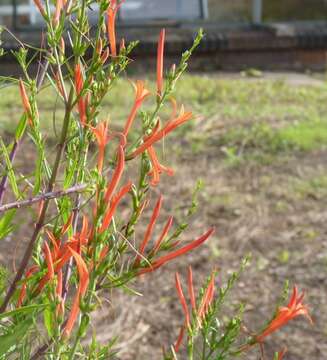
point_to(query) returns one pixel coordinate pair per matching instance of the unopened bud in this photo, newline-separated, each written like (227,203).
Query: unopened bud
(84,325)
(105,55)
(99,47)
(62,46)
(122,45)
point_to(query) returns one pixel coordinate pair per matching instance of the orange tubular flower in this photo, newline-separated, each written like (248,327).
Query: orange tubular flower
(203,309)
(65,255)
(26,102)
(82,287)
(141,93)
(117,174)
(103,253)
(158,135)
(101,134)
(79,85)
(179,339)
(160,55)
(49,262)
(55,244)
(59,84)
(157,168)
(207,298)
(113,206)
(183,250)
(84,234)
(56,16)
(67,224)
(163,234)
(182,299)
(285,314)
(39,5)
(112,13)
(120,136)
(149,230)
(22,293)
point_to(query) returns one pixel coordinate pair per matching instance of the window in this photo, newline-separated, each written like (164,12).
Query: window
(158,9)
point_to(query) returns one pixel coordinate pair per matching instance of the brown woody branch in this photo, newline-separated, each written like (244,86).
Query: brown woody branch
(42,197)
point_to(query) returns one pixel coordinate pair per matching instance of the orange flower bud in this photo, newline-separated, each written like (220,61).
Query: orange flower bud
(179,252)
(40,7)
(149,230)
(160,55)
(26,102)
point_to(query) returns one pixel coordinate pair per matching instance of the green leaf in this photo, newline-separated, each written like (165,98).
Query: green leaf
(11,174)
(14,336)
(38,172)
(5,223)
(21,127)
(70,173)
(48,320)
(22,310)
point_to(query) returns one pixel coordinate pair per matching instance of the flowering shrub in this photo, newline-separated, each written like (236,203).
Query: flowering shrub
(81,243)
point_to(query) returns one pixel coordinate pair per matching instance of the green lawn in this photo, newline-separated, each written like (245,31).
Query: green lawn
(246,118)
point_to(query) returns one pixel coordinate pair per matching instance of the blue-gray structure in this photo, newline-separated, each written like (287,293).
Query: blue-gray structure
(24,12)
(239,33)
(141,12)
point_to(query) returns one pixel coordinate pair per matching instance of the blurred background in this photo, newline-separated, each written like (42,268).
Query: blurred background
(282,34)
(233,11)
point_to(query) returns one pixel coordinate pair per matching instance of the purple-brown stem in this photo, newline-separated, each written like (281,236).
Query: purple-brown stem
(42,197)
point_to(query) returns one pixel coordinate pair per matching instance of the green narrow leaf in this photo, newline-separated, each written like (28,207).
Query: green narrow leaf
(5,223)
(14,336)
(10,170)
(22,310)
(21,127)
(38,173)
(48,320)
(70,173)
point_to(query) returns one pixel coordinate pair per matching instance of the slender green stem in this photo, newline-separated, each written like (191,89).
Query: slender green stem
(74,348)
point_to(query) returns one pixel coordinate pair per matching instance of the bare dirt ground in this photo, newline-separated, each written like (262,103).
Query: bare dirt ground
(254,211)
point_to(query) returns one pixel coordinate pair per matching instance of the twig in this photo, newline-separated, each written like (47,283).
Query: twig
(40,351)
(45,196)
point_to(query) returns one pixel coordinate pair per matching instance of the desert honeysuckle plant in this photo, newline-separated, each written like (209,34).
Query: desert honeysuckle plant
(82,243)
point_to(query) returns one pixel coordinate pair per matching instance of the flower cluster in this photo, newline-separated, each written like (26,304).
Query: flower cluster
(93,248)
(294,308)
(194,319)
